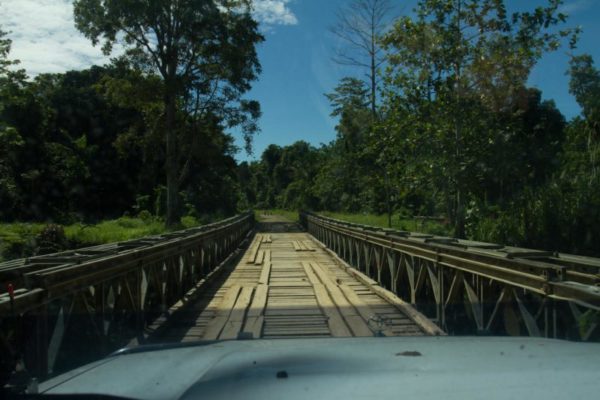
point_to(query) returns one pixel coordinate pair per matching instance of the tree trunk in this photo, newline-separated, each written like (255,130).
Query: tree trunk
(388,198)
(373,89)
(373,70)
(459,227)
(459,223)
(173,216)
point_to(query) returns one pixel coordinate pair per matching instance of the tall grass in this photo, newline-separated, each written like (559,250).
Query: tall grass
(125,228)
(20,239)
(398,222)
(292,216)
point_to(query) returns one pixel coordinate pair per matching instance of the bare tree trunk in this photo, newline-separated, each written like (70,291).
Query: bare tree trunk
(388,198)
(173,217)
(459,223)
(373,65)
(360,24)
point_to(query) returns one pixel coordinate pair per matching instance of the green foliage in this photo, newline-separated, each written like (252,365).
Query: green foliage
(204,53)
(291,216)
(190,222)
(453,89)
(145,215)
(399,221)
(18,240)
(51,239)
(458,134)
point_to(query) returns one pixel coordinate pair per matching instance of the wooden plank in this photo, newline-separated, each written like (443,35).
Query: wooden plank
(265,273)
(312,311)
(266,239)
(215,326)
(355,273)
(425,323)
(254,249)
(259,301)
(363,309)
(336,324)
(322,273)
(296,245)
(255,318)
(290,284)
(254,326)
(356,323)
(259,257)
(308,245)
(312,278)
(236,318)
(421,320)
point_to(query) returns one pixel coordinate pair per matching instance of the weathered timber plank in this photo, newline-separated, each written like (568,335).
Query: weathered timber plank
(425,323)
(255,318)
(254,326)
(312,311)
(259,257)
(312,278)
(236,318)
(264,274)
(254,250)
(363,309)
(308,245)
(357,324)
(215,326)
(336,324)
(259,301)
(421,320)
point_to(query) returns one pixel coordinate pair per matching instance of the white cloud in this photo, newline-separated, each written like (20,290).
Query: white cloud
(45,38)
(575,6)
(274,12)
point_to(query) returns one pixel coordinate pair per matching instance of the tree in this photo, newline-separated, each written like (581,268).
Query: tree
(349,164)
(11,141)
(585,86)
(457,65)
(203,50)
(360,25)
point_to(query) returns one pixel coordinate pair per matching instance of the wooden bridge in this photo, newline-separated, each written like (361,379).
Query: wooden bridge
(239,279)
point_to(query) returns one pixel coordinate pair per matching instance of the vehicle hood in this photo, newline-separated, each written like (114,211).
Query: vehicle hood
(351,368)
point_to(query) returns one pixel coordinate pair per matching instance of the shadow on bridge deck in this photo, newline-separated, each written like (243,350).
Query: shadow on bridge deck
(285,284)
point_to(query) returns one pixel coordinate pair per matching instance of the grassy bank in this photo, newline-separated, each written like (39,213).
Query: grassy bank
(398,222)
(291,215)
(23,239)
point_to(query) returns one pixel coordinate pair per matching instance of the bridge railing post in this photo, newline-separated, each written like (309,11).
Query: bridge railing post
(491,288)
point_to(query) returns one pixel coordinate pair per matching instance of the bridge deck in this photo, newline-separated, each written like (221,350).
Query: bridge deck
(287,285)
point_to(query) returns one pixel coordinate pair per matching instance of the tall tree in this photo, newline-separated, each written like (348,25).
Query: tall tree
(360,25)
(204,51)
(459,62)
(585,86)
(11,141)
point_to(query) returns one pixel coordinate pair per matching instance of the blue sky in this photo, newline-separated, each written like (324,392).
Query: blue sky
(297,68)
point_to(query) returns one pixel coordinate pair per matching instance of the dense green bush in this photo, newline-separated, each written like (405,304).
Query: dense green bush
(51,239)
